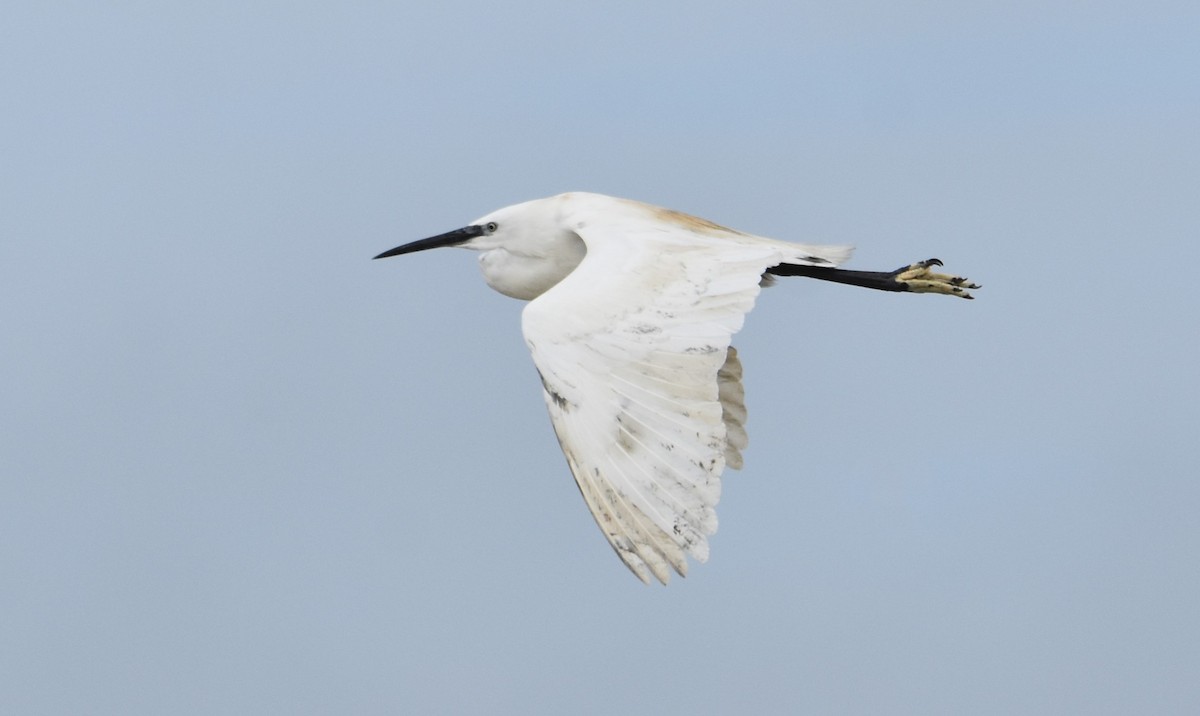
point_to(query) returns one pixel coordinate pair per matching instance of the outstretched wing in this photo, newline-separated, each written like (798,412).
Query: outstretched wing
(633,348)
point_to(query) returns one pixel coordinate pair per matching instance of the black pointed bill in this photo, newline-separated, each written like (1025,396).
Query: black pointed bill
(450,238)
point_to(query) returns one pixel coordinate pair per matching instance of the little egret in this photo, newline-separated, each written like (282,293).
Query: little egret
(632,310)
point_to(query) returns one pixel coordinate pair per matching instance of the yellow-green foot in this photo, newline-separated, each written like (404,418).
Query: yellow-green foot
(919,279)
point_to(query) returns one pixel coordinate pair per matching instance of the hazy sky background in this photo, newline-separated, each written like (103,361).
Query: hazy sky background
(246,470)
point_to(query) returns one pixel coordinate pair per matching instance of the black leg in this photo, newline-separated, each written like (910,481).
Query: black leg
(916,278)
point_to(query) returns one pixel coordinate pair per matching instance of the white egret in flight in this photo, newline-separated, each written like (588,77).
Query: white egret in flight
(631,311)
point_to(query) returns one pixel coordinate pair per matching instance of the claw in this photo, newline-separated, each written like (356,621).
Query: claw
(917,278)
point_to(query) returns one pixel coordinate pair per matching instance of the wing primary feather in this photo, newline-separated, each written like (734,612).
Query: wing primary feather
(612,527)
(652,548)
(640,543)
(650,540)
(690,513)
(733,408)
(681,423)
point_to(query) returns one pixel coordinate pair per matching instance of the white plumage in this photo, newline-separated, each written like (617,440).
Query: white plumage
(632,310)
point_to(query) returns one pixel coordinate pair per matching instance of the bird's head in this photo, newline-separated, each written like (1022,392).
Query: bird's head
(524,249)
(520,228)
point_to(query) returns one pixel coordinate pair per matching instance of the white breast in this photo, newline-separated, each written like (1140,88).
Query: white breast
(528,276)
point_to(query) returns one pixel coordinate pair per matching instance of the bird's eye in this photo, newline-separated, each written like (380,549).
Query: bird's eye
(490,227)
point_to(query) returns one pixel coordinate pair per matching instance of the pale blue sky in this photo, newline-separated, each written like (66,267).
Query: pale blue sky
(246,470)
